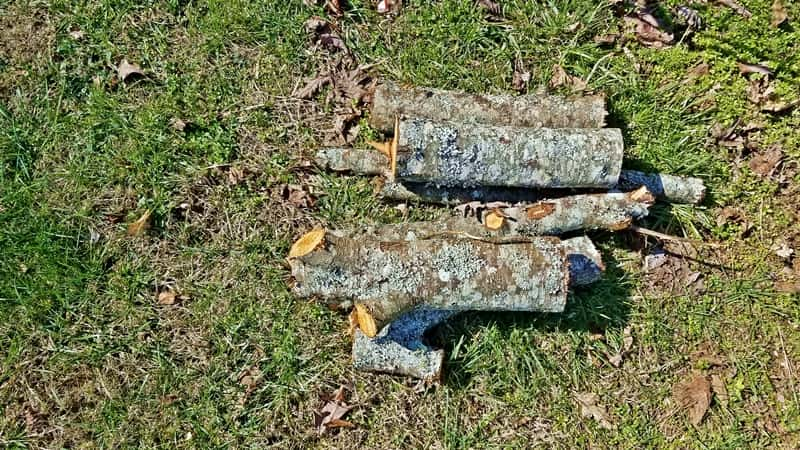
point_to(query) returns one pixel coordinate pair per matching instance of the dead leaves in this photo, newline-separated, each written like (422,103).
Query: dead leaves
(591,408)
(694,395)
(166,298)
(779,13)
(141,225)
(324,36)
(648,30)
(627,344)
(765,163)
(307,243)
(330,416)
(126,70)
(562,78)
(389,6)
(745,69)
(521,78)
(665,272)
(297,196)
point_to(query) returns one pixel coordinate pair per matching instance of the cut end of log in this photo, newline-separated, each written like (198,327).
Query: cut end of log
(642,195)
(494,220)
(307,243)
(365,321)
(540,210)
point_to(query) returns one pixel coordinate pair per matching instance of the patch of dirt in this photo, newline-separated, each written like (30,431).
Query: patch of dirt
(24,35)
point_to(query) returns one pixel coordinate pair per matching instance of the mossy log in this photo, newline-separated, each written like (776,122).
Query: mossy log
(534,110)
(399,348)
(670,188)
(388,278)
(457,154)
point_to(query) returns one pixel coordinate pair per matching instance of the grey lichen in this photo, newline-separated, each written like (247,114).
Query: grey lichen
(670,188)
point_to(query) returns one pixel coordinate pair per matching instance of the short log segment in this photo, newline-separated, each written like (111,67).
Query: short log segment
(387,279)
(457,154)
(671,188)
(399,348)
(534,110)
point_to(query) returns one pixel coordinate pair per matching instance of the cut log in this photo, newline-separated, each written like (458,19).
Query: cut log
(399,348)
(456,154)
(387,279)
(534,111)
(670,188)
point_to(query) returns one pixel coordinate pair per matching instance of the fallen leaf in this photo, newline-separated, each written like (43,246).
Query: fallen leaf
(788,287)
(389,6)
(648,31)
(249,378)
(627,338)
(307,243)
(699,70)
(778,107)
(667,273)
(332,41)
(317,25)
(177,124)
(490,6)
(297,196)
(605,39)
(334,7)
(719,389)
(141,225)
(764,164)
(694,394)
(521,77)
(126,70)
(591,409)
(562,78)
(734,5)
(330,416)
(312,87)
(745,68)
(166,298)
(494,220)
(779,14)
(76,34)
(783,250)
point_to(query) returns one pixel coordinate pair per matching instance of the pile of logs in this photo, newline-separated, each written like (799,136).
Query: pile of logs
(523,169)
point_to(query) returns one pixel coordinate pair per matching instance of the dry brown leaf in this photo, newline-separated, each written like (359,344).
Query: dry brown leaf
(694,394)
(389,6)
(126,70)
(494,220)
(334,7)
(591,409)
(178,124)
(76,34)
(719,389)
(779,14)
(141,225)
(312,87)
(166,298)
(788,287)
(734,5)
(330,416)
(606,39)
(297,196)
(648,31)
(540,210)
(365,321)
(307,243)
(699,70)
(490,6)
(562,78)
(764,164)
(317,25)
(746,68)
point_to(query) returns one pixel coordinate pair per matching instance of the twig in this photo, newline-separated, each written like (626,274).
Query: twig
(788,366)
(668,237)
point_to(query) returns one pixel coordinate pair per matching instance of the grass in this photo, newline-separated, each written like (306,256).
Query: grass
(88,358)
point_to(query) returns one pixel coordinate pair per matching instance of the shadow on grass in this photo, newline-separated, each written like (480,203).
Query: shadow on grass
(596,308)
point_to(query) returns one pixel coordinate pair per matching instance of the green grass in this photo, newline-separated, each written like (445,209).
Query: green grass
(87,357)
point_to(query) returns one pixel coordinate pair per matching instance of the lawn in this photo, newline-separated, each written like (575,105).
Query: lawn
(212,141)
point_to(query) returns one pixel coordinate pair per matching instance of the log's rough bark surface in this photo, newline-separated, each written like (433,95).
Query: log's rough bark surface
(391,278)
(399,348)
(364,162)
(670,188)
(455,154)
(535,111)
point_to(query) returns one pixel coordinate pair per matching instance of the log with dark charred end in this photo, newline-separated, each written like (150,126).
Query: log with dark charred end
(669,188)
(457,154)
(585,262)
(534,110)
(388,279)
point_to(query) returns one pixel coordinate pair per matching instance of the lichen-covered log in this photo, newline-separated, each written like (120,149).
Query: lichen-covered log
(399,348)
(457,154)
(670,188)
(534,110)
(364,162)
(386,279)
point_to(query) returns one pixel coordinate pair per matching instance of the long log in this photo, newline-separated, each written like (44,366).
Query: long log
(534,110)
(457,154)
(670,188)
(399,348)
(388,278)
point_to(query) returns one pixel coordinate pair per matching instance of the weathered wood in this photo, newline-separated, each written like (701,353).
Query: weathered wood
(399,348)
(534,110)
(389,278)
(457,154)
(670,188)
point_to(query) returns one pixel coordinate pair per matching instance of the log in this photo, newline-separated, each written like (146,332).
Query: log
(399,348)
(534,110)
(388,278)
(456,154)
(670,188)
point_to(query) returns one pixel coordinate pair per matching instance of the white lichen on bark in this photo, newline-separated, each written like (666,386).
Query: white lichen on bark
(533,110)
(670,188)
(457,154)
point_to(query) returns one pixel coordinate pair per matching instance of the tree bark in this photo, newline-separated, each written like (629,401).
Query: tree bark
(455,154)
(387,279)
(534,111)
(671,188)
